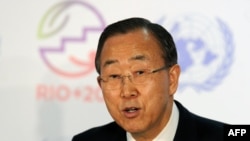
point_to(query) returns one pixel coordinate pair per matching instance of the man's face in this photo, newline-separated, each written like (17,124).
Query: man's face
(138,108)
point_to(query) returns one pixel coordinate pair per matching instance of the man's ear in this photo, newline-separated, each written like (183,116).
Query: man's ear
(174,73)
(99,81)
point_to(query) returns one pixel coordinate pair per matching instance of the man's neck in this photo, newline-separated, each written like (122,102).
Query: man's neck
(170,121)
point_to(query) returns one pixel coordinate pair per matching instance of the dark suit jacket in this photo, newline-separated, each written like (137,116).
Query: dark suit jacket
(190,128)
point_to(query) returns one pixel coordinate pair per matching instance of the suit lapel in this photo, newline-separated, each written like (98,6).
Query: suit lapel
(118,133)
(186,129)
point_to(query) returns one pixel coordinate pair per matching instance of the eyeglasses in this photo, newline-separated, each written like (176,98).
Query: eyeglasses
(141,76)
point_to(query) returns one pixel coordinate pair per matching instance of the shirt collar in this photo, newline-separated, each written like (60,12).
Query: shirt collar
(168,132)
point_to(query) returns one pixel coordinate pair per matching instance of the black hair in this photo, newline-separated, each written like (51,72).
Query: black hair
(128,25)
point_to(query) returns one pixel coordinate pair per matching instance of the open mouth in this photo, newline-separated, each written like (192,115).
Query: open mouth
(131,112)
(131,109)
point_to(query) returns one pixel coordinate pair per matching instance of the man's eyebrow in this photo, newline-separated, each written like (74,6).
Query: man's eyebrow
(109,62)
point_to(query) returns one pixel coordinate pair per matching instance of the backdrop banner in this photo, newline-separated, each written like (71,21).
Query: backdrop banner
(48,85)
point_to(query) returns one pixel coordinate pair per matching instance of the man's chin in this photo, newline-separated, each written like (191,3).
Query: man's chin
(133,129)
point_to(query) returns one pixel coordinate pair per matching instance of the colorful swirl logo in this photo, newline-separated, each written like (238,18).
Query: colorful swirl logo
(65,34)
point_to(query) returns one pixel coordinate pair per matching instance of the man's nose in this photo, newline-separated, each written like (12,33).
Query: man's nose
(128,89)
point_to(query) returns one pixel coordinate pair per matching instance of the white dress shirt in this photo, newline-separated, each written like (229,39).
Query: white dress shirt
(168,132)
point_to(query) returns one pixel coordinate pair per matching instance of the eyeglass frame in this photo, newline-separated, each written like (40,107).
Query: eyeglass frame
(131,77)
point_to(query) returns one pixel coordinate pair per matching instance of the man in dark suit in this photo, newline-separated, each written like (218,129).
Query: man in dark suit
(138,74)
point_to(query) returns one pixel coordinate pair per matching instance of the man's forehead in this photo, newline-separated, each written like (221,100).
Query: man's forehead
(134,58)
(138,57)
(138,45)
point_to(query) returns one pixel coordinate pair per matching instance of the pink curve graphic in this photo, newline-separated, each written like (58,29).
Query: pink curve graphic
(89,64)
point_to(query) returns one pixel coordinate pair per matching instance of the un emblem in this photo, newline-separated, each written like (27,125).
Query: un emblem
(205,50)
